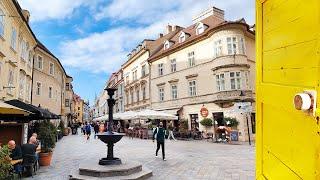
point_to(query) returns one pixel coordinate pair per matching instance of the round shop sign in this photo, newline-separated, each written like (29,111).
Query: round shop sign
(204,112)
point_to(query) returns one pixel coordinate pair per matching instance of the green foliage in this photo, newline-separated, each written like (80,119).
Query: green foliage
(47,136)
(5,165)
(61,125)
(232,121)
(207,122)
(183,127)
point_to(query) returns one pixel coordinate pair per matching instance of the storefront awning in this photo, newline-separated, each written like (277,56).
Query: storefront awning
(38,113)
(12,110)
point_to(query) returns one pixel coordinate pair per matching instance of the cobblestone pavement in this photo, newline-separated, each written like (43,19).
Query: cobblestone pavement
(185,159)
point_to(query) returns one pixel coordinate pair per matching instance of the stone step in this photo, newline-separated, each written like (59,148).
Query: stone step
(145,173)
(95,170)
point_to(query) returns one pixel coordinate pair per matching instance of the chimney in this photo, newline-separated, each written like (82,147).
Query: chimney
(212,11)
(160,35)
(176,27)
(26,14)
(168,29)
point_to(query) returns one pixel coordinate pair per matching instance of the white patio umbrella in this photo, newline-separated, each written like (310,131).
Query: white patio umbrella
(128,115)
(152,114)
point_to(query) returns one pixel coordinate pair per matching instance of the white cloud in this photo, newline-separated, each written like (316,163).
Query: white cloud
(106,51)
(53,9)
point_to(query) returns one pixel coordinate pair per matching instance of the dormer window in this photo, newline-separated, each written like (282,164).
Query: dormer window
(183,36)
(201,28)
(167,44)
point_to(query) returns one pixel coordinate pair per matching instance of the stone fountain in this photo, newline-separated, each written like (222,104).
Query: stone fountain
(109,137)
(110,167)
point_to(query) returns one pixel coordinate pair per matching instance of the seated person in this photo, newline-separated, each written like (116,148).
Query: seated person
(30,148)
(15,150)
(15,154)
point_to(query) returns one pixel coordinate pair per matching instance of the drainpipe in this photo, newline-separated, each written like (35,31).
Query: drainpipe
(31,98)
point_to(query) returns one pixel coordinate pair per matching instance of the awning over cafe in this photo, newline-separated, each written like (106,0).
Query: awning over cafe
(12,110)
(38,113)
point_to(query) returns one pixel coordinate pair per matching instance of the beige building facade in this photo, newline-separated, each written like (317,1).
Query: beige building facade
(17,43)
(78,108)
(136,71)
(50,83)
(116,82)
(16,52)
(209,64)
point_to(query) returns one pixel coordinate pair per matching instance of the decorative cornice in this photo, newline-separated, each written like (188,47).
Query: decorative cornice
(231,65)
(173,81)
(191,76)
(161,84)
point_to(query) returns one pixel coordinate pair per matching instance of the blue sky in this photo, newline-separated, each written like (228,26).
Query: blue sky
(92,38)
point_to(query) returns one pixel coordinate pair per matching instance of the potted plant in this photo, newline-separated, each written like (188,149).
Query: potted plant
(5,165)
(207,123)
(47,136)
(231,122)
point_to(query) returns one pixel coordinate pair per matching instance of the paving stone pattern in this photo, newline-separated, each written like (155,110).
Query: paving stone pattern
(185,159)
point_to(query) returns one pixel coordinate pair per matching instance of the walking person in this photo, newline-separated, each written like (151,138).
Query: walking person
(88,130)
(96,129)
(171,134)
(159,135)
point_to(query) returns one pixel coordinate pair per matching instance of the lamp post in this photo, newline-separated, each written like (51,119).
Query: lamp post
(242,94)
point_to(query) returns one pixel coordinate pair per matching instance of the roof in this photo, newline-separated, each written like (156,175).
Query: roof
(44,48)
(154,46)
(212,22)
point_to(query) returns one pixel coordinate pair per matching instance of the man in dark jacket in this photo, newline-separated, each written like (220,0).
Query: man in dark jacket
(159,135)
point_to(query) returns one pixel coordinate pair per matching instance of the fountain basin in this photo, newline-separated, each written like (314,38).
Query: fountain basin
(110,137)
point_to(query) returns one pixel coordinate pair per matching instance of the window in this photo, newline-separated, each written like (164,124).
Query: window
(235,80)
(30,58)
(143,70)
(161,94)
(40,62)
(144,93)
(67,102)
(51,69)
(192,88)
(138,95)
(200,28)
(67,86)
(160,69)
(21,84)
(24,50)
(10,80)
(220,82)
(166,45)
(232,45)
(79,108)
(50,92)
(241,45)
(173,65)
(182,37)
(247,79)
(2,23)
(38,91)
(217,48)
(13,38)
(127,79)
(174,91)
(127,98)
(132,97)
(191,60)
(28,90)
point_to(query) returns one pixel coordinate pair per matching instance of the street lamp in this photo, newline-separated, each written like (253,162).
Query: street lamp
(242,94)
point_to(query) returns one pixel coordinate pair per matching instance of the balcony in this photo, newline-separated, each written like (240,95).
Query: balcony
(233,96)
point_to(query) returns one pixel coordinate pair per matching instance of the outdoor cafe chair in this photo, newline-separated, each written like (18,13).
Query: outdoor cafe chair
(28,163)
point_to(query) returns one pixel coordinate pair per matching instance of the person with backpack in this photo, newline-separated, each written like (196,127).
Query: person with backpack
(159,135)
(88,130)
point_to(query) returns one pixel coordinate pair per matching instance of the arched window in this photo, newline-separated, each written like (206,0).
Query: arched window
(1,23)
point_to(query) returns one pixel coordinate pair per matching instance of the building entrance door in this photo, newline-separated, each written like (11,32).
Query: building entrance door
(194,121)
